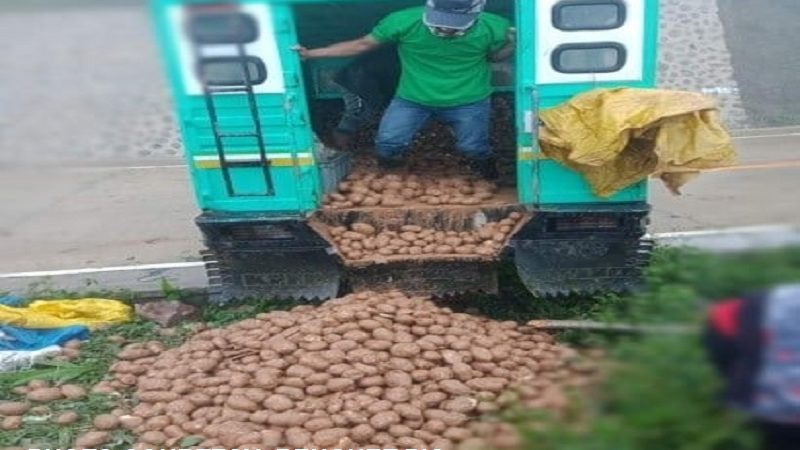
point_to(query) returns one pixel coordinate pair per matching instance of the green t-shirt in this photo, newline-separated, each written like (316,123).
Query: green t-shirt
(443,71)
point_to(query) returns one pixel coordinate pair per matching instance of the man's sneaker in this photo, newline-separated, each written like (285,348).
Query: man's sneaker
(486,168)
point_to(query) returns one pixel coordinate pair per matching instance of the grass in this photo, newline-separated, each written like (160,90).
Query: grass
(96,355)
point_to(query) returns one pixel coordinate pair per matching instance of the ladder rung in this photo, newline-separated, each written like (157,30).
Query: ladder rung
(215,90)
(237,135)
(244,163)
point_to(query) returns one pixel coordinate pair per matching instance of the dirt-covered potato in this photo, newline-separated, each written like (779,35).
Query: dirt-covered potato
(92,439)
(45,394)
(106,422)
(66,418)
(73,391)
(13,408)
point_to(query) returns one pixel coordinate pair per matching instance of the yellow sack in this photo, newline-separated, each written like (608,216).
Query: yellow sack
(90,312)
(617,137)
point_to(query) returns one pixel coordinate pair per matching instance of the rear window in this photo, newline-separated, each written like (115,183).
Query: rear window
(575,15)
(601,57)
(228,70)
(224,27)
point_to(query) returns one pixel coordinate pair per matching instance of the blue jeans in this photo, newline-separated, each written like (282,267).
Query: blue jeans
(403,119)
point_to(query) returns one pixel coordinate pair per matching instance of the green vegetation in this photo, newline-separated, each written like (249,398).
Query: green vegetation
(660,392)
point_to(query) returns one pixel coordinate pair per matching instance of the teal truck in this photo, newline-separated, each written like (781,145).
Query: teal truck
(245,103)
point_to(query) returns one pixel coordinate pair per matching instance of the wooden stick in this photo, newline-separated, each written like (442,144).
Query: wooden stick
(588,325)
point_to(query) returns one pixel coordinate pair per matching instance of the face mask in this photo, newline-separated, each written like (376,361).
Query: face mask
(447,32)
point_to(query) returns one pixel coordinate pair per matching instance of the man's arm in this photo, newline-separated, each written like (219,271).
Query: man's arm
(341,49)
(507,50)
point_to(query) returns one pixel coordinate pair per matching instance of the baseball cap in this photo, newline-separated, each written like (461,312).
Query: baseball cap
(456,14)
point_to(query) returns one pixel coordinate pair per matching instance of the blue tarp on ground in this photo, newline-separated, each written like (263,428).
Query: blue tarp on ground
(16,338)
(11,300)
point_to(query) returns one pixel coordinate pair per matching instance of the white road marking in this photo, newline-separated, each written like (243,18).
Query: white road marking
(756,136)
(92,270)
(755,229)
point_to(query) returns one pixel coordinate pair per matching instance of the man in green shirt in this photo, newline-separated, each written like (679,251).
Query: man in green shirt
(446,49)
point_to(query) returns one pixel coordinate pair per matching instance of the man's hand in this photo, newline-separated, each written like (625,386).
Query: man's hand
(508,49)
(303,52)
(511,35)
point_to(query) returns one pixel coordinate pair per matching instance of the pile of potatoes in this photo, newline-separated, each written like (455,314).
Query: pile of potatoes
(364,371)
(364,188)
(364,241)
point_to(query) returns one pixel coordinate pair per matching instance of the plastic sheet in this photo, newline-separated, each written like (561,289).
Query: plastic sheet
(617,137)
(90,312)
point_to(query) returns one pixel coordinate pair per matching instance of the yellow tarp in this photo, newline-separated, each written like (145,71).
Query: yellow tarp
(617,137)
(90,312)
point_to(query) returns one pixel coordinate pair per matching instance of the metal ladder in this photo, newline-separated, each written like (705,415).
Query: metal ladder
(210,92)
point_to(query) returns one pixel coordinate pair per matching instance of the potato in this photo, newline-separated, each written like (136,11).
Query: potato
(454,387)
(408,236)
(153,437)
(13,408)
(356,199)
(353,236)
(395,185)
(444,250)
(391,201)
(11,423)
(297,437)
(105,422)
(92,439)
(337,231)
(203,365)
(66,418)
(384,419)
(399,243)
(73,391)
(20,390)
(491,384)
(288,419)
(362,432)
(38,384)
(157,396)
(363,229)
(372,201)
(130,422)
(133,353)
(44,395)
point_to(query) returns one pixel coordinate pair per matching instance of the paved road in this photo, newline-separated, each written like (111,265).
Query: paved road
(72,217)
(766,60)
